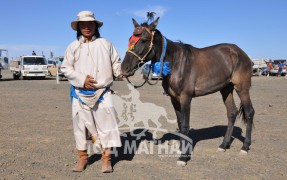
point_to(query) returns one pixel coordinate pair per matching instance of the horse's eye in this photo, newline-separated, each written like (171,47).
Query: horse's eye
(137,35)
(145,39)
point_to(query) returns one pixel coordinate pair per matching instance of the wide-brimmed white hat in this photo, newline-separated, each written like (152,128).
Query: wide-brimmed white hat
(85,16)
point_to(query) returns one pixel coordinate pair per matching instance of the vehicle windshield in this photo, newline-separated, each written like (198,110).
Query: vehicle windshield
(34,61)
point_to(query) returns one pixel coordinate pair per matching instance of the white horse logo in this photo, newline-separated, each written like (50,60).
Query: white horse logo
(134,114)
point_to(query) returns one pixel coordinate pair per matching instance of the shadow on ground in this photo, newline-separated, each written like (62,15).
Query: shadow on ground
(133,139)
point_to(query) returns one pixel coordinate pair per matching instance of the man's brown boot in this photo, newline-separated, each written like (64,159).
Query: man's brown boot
(82,161)
(106,161)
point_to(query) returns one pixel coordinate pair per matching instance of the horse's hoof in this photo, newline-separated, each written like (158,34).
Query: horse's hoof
(220,150)
(242,152)
(181,163)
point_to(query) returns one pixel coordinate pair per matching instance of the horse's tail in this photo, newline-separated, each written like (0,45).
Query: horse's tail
(242,113)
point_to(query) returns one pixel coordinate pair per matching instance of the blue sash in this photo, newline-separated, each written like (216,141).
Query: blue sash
(84,92)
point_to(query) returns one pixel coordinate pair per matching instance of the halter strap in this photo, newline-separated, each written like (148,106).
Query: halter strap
(150,47)
(142,59)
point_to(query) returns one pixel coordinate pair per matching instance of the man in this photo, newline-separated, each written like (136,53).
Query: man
(268,68)
(89,64)
(280,66)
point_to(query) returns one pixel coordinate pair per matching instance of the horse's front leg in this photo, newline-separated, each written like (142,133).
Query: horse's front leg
(186,143)
(177,109)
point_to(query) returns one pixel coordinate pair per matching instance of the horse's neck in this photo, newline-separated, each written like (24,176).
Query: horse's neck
(171,50)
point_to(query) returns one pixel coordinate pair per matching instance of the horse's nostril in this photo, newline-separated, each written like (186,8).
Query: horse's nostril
(127,69)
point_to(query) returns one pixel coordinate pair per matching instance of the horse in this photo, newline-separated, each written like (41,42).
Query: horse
(195,72)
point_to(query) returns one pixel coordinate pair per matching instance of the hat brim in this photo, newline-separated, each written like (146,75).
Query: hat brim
(74,24)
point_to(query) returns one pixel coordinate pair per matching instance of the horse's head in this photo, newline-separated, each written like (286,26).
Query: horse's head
(140,49)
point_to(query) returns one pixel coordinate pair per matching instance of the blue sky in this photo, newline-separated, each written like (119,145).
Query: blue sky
(259,27)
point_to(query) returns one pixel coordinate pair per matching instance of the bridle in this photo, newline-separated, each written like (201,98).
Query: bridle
(137,31)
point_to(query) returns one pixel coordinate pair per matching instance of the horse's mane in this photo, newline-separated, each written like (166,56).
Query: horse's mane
(145,24)
(178,42)
(186,49)
(183,44)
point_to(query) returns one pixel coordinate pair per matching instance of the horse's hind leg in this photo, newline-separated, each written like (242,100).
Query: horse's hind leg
(227,96)
(248,114)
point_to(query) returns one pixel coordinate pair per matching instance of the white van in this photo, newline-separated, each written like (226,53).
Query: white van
(30,66)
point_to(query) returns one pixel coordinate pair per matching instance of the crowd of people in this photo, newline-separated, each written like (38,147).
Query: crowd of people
(270,66)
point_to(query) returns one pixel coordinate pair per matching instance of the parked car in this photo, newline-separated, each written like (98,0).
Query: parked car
(274,70)
(51,63)
(259,65)
(60,61)
(145,70)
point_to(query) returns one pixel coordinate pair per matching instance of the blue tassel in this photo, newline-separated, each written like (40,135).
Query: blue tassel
(156,68)
(157,65)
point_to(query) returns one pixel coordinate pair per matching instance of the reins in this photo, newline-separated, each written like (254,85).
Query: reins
(144,57)
(146,80)
(150,47)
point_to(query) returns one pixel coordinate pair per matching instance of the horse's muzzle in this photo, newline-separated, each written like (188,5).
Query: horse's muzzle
(129,73)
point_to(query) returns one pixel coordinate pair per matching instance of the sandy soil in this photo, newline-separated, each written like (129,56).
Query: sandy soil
(37,142)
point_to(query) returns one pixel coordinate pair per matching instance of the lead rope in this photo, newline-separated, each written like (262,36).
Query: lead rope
(146,80)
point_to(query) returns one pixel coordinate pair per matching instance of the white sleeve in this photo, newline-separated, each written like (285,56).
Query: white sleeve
(116,61)
(77,79)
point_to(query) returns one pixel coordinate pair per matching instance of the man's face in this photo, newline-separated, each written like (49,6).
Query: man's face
(87,28)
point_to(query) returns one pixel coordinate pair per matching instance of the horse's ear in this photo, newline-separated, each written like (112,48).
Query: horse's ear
(153,25)
(135,23)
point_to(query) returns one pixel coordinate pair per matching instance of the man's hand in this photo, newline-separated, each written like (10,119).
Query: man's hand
(90,82)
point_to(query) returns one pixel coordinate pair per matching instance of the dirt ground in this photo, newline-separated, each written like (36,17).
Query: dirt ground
(37,142)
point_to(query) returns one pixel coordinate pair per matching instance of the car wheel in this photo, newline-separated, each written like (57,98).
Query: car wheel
(15,77)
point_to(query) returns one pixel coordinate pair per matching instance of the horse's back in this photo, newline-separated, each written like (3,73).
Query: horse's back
(228,56)
(216,66)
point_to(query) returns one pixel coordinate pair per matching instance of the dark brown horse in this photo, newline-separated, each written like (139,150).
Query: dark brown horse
(195,72)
